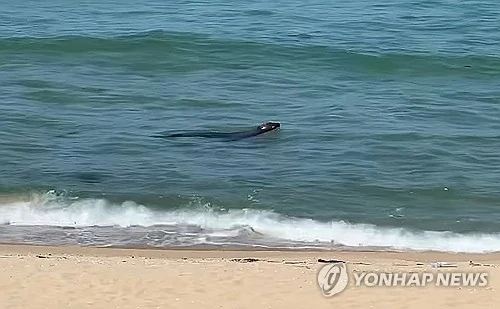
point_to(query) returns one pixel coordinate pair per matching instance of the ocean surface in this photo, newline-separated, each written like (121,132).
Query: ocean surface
(389,112)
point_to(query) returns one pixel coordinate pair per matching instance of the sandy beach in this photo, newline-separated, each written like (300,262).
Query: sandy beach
(76,277)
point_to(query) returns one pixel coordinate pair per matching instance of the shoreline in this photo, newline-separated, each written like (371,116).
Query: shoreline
(210,252)
(221,251)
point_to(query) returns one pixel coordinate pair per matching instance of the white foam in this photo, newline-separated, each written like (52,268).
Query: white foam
(49,210)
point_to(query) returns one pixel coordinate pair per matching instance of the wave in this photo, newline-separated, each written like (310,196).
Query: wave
(239,226)
(198,52)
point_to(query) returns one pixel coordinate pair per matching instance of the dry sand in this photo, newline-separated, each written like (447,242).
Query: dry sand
(72,277)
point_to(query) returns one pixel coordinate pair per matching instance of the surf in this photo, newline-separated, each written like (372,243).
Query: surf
(46,219)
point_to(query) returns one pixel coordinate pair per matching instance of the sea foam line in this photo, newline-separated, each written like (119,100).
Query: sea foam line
(99,212)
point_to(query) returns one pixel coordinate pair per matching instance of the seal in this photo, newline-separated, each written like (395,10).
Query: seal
(258,130)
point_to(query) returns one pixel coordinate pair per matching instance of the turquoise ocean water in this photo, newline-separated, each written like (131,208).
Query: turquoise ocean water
(389,111)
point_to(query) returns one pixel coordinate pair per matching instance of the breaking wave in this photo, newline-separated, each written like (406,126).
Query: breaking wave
(227,227)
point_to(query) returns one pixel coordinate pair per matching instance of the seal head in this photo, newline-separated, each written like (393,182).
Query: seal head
(268,126)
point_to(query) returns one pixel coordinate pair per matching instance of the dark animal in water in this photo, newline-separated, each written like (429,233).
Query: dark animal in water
(260,129)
